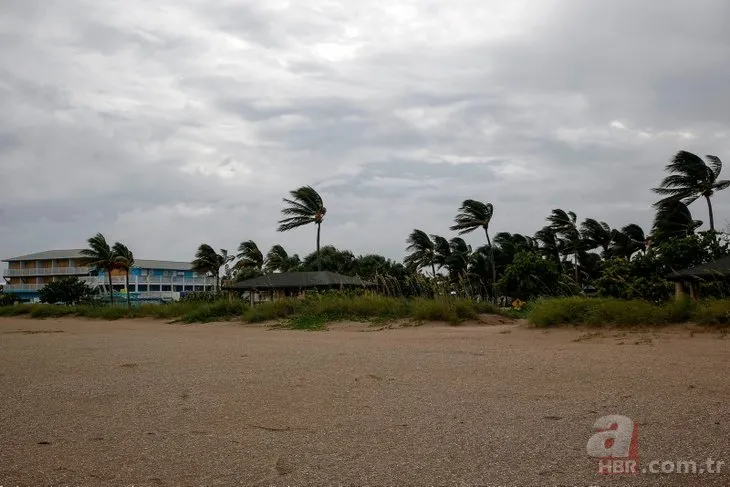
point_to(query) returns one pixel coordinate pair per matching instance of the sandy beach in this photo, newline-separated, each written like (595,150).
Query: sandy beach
(150,403)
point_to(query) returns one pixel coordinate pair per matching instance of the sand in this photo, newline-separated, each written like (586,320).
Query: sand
(150,403)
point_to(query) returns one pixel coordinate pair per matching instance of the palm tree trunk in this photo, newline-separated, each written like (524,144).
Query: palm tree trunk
(433,269)
(319,227)
(129,299)
(577,274)
(494,268)
(712,216)
(111,288)
(217,280)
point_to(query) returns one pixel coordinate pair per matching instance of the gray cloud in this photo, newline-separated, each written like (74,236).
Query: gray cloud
(187,122)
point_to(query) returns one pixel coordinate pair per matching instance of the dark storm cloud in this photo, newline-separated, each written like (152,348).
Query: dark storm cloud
(169,125)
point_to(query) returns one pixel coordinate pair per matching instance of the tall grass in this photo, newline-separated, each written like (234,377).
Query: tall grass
(314,309)
(609,311)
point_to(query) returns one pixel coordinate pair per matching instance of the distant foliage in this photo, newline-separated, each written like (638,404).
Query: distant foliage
(69,290)
(8,299)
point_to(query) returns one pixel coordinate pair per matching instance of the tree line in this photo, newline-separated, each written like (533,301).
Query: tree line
(566,256)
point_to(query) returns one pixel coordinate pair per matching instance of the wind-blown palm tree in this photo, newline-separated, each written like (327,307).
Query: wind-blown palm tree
(673,219)
(277,259)
(565,224)
(458,259)
(597,234)
(550,245)
(304,207)
(422,251)
(472,215)
(207,260)
(100,256)
(125,261)
(250,257)
(628,241)
(690,178)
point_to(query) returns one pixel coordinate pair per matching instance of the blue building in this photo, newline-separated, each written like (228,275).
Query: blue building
(148,279)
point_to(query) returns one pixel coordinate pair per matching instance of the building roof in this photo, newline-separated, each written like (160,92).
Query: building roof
(76,254)
(717,269)
(49,254)
(299,280)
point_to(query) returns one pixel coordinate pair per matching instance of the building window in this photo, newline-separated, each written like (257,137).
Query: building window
(165,273)
(143,272)
(180,273)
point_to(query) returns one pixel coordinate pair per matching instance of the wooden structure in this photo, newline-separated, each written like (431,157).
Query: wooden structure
(687,281)
(294,284)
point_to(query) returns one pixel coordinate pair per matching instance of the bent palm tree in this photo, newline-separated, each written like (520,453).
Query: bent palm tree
(628,241)
(304,207)
(472,215)
(250,257)
(208,260)
(422,251)
(277,259)
(550,245)
(597,234)
(125,261)
(565,224)
(100,256)
(690,178)
(673,219)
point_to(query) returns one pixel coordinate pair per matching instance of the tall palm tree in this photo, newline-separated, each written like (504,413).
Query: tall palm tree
(101,256)
(250,257)
(565,224)
(422,251)
(597,234)
(125,261)
(472,215)
(690,178)
(277,259)
(304,207)
(207,260)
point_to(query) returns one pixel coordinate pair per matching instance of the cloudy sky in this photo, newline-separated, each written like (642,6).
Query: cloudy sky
(169,123)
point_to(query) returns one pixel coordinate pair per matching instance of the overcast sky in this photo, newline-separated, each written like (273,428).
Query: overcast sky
(168,123)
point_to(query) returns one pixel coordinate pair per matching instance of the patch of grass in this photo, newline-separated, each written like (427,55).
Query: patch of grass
(308,313)
(713,313)
(307,322)
(609,311)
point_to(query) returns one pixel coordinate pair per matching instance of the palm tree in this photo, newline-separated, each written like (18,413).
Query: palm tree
(125,260)
(673,219)
(250,257)
(690,178)
(628,241)
(472,215)
(597,234)
(422,251)
(100,256)
(304,207)
(208,260)
(277,259)
(550,245)
(458,259)
(565,224)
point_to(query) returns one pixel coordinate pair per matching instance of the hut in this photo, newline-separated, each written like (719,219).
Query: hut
(294,284)
(687,281)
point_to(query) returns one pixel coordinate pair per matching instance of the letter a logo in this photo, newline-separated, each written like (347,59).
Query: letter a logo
(616,437)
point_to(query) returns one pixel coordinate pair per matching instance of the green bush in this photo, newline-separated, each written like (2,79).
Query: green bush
(611,311)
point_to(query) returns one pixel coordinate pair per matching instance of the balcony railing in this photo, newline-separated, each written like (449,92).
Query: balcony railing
(9,288)
(46,271)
